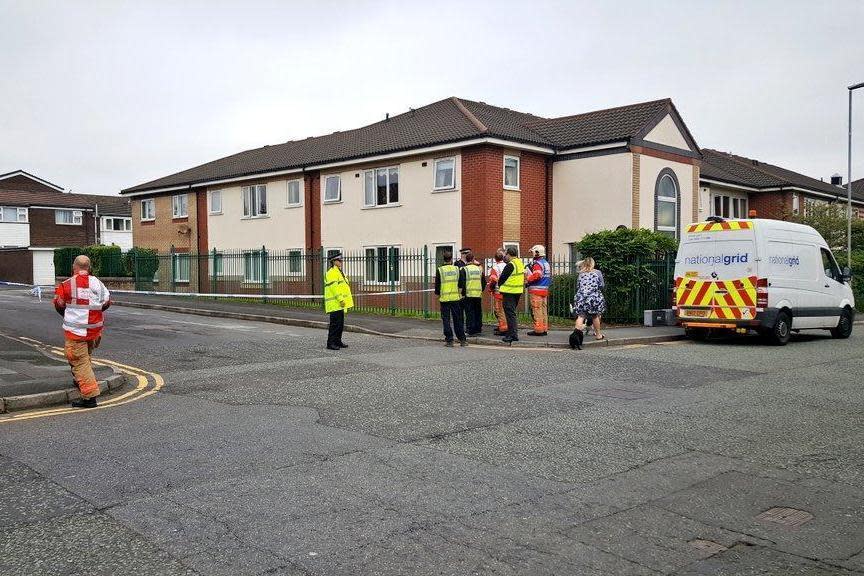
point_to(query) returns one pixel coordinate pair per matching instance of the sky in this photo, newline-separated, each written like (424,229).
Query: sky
(101,96)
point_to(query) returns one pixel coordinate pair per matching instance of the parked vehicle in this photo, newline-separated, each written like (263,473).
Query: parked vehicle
(768,276)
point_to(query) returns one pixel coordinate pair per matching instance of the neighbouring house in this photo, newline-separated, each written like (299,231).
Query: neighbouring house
(450,174)
(37,216)
(732,185)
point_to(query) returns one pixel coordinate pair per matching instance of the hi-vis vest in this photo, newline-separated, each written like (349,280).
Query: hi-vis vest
(449,283)
(515,283)
(84,296)
(336,290)
(542,284)
(473,286)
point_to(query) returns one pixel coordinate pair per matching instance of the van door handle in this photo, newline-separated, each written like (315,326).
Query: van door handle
(827,285)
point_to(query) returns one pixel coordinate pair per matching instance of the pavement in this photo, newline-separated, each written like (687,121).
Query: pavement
(264,453)
(416,328)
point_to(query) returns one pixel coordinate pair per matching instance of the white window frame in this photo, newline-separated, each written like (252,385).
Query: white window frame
(210,195)
(77,217)
(374,173)
(109,221)
(338,189)
(22,211)
(302,270)
(435,247)
(176,259)
(151,202)
(734,201)
(19,212)
(251,197)
(508,243)
(674,201)
(796,203)
(377,281)
(518,172)
(299,203)
(257,277)
(180,206)
(435,163)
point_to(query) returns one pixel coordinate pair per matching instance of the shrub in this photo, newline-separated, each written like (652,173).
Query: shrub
(63,258)
(105,260)
(141,263)
(561,294)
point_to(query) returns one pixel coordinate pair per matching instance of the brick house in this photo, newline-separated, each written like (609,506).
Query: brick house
(732,185)
(452,173)
(36,216)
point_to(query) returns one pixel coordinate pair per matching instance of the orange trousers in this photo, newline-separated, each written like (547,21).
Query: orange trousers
(540,311)
(78,354)
(499,314)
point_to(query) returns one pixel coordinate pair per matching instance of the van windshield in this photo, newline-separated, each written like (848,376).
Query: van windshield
(716,260)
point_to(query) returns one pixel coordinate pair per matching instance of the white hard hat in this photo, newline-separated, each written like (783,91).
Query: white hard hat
(539,248)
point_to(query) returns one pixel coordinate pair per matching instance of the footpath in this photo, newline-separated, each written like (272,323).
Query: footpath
(30,378)
(393,326)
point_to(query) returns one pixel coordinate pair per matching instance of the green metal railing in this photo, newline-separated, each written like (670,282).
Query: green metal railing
(385,280)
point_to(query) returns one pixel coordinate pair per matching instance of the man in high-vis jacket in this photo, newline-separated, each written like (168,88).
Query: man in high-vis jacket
(337,299)
(450,288)
(81,300)
(497,299)
(474,281)
(511,283)
(539,280)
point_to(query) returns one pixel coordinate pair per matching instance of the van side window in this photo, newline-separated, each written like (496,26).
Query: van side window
(830,266)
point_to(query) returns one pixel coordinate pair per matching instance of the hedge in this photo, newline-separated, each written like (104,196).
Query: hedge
(107,261)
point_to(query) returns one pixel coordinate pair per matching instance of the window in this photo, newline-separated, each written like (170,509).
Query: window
(666,203)
(511,172)
(445,174)
(116,224)
(179,206)
(215,202)
(295,262)
(439,253)
(180,264)
(68,217)
(148,209)
(830,265)
(332,189)
(332,252)
(255,201)
(293,198)
(796,203)
(13,214)
(730,206)
(382,264)
(514,244)
(254,267)
(381,187)
(216,264)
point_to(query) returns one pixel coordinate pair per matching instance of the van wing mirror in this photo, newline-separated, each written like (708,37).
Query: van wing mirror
(846,274)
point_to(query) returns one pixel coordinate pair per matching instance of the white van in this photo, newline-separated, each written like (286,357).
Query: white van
(770,276)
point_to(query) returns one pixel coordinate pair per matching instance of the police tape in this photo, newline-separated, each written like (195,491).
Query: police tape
(259,296)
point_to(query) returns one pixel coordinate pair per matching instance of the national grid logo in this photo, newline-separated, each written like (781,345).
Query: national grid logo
(785,260)
(724,259)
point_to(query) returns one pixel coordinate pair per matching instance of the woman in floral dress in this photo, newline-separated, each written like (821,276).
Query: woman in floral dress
(589,302)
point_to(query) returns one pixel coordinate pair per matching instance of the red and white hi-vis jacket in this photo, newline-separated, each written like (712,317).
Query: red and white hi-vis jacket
(84,297)
(492,278)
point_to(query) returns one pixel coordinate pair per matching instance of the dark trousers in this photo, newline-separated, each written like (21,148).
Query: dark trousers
(334,331)
(473,315)
(511,302)
(452,310)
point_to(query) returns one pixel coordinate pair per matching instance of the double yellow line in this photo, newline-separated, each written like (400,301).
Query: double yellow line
(147,383)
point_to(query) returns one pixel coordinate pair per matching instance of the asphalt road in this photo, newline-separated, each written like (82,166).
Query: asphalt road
(266,454)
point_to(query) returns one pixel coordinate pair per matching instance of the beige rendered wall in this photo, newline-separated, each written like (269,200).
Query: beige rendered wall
(650,168)
(589,194)
(282,228)
(421,217)
(666,132)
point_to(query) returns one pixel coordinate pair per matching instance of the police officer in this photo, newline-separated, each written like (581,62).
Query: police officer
(511,284)
(474,281)
(337,299)
(450,288)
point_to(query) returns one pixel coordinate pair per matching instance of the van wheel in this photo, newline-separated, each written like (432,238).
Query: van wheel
(844,326)
(782,331)
(698,334)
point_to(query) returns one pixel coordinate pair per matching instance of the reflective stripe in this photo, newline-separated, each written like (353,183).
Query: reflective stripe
(473,287)
(515,283)
(72,324)
(85,306)
(449,275)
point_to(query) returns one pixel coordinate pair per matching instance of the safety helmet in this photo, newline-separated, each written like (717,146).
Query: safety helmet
(540,249)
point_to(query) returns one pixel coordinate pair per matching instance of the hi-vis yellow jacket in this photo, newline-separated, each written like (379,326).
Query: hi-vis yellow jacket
(337,291)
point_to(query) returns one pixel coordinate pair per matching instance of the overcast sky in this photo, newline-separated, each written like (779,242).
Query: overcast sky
(97,96)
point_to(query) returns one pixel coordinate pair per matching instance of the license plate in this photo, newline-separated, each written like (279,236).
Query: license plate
(696,313)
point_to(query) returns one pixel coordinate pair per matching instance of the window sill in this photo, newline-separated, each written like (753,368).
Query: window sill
(513,188)
(150,222)
(67,224)
(332,201)
(444,190)
(396,205)
(214,213)
(264,217)
(289,206)
(179,218)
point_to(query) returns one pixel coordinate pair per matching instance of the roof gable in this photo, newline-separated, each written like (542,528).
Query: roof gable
(666,132)
(21,180)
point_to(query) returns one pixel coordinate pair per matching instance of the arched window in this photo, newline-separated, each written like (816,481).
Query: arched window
(667,200)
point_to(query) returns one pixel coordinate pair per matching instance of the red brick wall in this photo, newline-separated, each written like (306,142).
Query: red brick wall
(45,232)
(26,184)
(482,199)
(776,205)
(312,206)
(532,181)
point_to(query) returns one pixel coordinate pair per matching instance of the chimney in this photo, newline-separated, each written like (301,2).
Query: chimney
(386,116)
(837,180)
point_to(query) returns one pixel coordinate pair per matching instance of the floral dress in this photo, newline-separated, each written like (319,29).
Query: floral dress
(589,300)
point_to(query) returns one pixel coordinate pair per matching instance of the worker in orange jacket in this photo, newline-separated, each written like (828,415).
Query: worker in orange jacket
(497,299)
(539,281)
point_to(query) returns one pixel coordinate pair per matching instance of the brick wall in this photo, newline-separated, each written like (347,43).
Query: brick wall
(45,232)
(777,205)
(16,266)
(482,198)
(532,184)
(24,183)
(165,232)
(312,206)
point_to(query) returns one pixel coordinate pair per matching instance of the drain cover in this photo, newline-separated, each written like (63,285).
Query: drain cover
(620,393)
(788,517)
(708,546)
